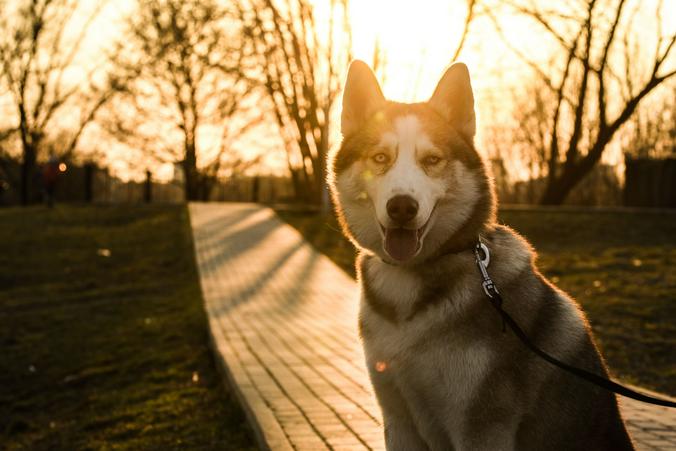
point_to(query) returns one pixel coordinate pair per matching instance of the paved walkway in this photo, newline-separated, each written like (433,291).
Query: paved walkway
(283,321)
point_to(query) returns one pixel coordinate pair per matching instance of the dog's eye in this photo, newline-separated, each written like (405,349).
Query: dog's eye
(380,158)
(431,160)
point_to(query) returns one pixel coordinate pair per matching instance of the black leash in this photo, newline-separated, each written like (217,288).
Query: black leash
(496,301)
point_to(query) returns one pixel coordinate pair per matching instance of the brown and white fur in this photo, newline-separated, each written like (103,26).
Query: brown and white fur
(445,374)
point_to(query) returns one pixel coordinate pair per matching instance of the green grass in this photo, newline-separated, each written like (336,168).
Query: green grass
(619,266)
(107,351)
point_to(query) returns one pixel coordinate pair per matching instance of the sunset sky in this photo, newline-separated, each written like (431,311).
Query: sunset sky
(417,38)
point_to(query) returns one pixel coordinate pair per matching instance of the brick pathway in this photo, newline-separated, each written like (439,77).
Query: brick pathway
(283,321)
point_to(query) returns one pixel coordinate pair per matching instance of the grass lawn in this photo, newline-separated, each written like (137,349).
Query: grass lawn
(103,335)
(619,266)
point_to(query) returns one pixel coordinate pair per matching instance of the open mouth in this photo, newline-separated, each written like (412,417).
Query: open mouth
(403,244)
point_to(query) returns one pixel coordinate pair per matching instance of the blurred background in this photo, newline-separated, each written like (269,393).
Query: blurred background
(238,100)
(118,112)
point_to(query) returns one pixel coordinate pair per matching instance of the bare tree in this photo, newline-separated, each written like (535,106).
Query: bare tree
(379,62)
(596,85)
(473,7)
(183,60)
(38,47)
(302,61)
(529,137)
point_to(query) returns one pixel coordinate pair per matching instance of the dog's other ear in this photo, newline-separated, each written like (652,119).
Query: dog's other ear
(454,100)
(362,97)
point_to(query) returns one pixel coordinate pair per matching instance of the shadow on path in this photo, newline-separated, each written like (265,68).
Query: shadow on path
(230,245)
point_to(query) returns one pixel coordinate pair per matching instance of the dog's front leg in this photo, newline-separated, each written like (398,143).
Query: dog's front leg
(493,437)
(401,432)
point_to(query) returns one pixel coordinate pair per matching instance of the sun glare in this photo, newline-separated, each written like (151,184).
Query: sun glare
(417,40)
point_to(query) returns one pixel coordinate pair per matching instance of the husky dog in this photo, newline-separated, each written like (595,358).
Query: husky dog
(414,196)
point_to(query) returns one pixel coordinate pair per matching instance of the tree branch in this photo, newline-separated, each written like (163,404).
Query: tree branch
(471,10)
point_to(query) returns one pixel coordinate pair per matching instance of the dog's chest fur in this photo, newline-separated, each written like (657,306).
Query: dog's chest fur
(407,323)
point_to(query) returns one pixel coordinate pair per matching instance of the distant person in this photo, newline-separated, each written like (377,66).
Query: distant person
(50,177)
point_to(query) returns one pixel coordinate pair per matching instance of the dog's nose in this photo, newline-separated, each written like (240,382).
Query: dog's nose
(402,209)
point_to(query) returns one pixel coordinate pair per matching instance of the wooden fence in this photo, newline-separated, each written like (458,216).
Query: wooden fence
(650,182)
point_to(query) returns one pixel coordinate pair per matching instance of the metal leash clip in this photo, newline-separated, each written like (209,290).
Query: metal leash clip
(489,287)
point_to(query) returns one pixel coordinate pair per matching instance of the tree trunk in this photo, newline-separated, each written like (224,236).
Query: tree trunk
(573,172)
(89,182)
(206,186)
(191,186)
(295,180)
(28,174)
(557,189)
(148,188)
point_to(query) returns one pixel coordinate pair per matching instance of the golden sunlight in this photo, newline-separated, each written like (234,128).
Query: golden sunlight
(416,41)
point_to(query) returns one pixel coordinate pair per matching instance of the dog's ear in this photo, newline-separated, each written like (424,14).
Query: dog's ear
(454,100)
(362,97)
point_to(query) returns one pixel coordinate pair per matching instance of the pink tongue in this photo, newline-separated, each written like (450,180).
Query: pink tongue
(401,244)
